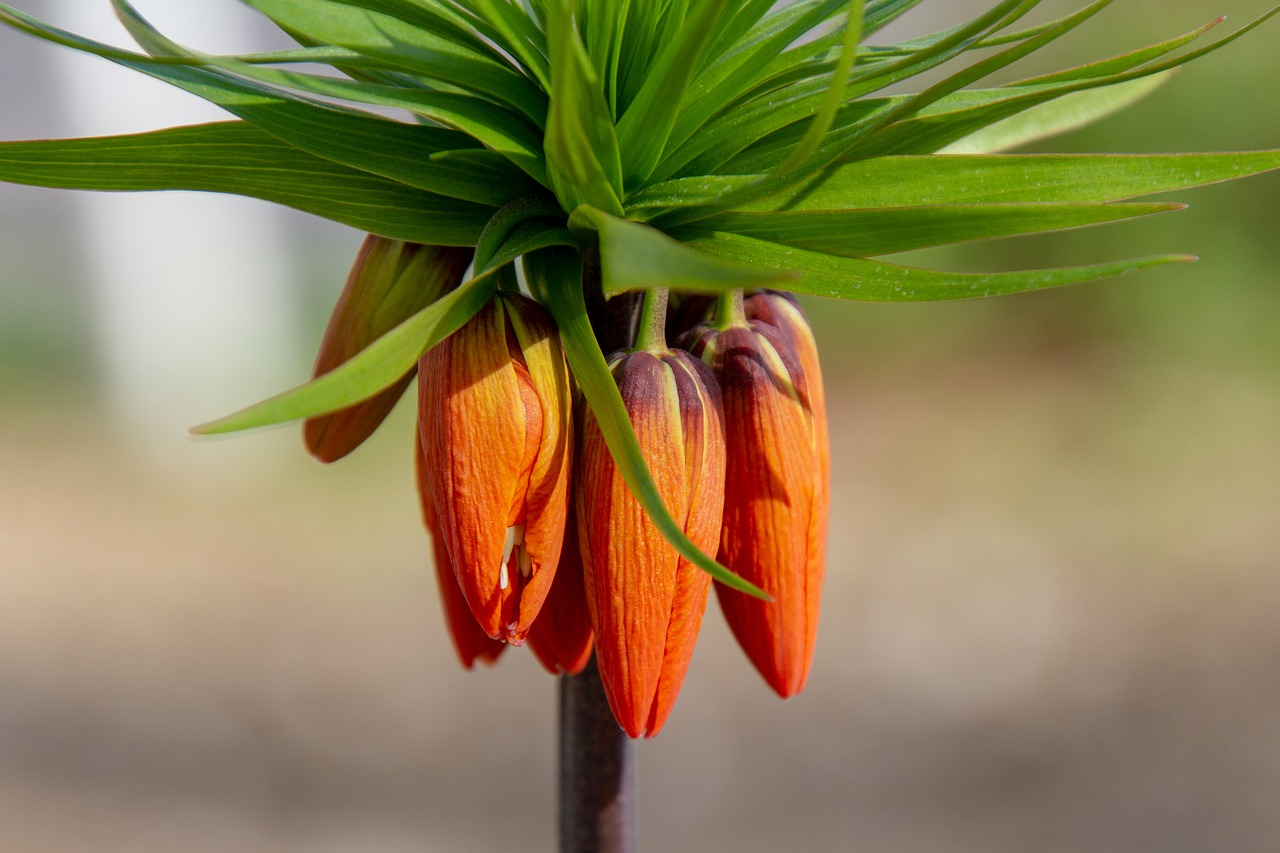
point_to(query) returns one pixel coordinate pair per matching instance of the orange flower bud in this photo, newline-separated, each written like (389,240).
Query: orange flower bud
(776,484)
(646,600)
(389,281)
(470,641)
(495,424)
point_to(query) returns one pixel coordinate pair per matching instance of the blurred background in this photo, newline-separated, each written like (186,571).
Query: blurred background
(1051,609)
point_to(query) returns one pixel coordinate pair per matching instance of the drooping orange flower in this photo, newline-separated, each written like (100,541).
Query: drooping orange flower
(776,484)
(646,600)
(389,281)
(494,416)
(469,640)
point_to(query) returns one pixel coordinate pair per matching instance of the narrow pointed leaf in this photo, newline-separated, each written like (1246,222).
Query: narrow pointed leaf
(645,126)
(1015,178)
(558,274)
(861,280)
(583,162)
(409,48)
(881,231)
(392,149)
(237,158)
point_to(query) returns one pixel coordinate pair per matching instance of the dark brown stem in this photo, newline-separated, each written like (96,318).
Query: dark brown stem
(597,770)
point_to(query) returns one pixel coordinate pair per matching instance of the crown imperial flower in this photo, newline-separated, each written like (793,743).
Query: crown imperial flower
(494,414)
(776,493)
(647,600)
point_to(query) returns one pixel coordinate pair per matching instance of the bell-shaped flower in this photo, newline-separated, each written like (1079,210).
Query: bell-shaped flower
(646,600)
(390,281)
(494,416)
(776,483)
(469,640)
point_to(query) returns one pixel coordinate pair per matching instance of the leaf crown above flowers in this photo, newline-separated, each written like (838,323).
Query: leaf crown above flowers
(699,145)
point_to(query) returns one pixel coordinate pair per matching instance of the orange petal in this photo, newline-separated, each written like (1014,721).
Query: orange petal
(783,312)
(561,636)
(771,500)
(389,281)
(544,498)
(470,642)
(647,602)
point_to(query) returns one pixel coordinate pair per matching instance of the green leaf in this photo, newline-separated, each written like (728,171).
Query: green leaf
(559,275)
(380,365)
(583,162)
(861,280)
(738,70)
(773,110)
(864,137)
(882,231)
(645,126)
(489,124)
(636,257)
(514,31)
(1061,115)
(929,132)
(410,48)
(392,149)
(237,158)
(1017,178)
(832,98)
(880,13)
(498,230)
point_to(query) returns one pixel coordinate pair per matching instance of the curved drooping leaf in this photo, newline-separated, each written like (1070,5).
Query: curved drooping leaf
(882,231)
(636,257)
(559,275)
(857,279)
(487,122)
(403,152)
(238,158)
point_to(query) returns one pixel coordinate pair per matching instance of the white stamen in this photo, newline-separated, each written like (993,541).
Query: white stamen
(509,544)
(519,533)
(503,581)
(526,563)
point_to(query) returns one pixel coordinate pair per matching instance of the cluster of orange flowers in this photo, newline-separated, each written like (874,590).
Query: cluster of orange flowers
(538,538)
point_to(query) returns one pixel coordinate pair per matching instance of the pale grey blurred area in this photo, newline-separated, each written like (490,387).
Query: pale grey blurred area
(1050,620)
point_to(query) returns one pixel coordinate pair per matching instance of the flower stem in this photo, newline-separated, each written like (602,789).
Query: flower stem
(729,310)
(652,335)
(597,770)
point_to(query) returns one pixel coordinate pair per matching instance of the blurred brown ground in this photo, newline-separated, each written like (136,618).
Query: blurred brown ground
(1050,624)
